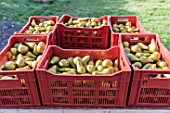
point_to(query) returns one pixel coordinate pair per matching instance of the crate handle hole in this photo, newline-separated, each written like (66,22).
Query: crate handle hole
(123,19)
(31,40)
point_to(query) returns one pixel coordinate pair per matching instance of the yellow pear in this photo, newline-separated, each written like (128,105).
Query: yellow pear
(22,49)
(30,45)
(152,46)
(107,63)
(14,51)
(41,47)
(10,65)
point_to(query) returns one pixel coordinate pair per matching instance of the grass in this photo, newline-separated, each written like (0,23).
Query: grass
(154,14)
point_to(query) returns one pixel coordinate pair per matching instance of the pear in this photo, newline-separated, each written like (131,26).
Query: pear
(116,69)
(22,49)
(152,46)
(98,62)
(90,63)
(24,68)
(137,64)
(14,57)
(27,58)
(153,66)
(145,60)
(116,63)
(76,59)
(20,56)
(100,68)
(30,45)
(90,68)
(6,77)
(16,45)
(53,69)
(31,63)
(20,62)
(127,50)
(142,46)
(39,58)
(97,73)
(14,51)
(33,23)
(66,69)
(126,44)
(132,57)
(49,29)
(35,52)
(63,63)
(109,70)
(10,65)
(135,48)
(128,24)
(107,63)
(69,72)
(165,68)
(70,60)
(159,75)
(54,60)
(161,64)
(146,54)
(85,59)
(70,21)
(30,54)
(139,54)
(166,75)
(147,66)
(146,51)
(80,68)
(155,56)
(40,47)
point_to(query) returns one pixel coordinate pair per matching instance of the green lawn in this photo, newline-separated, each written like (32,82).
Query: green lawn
(154,14)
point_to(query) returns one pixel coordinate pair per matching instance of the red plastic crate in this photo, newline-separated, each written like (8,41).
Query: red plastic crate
(21,91)
(82,38)
(147,90)
(38,19)
(83,90)
(122,20)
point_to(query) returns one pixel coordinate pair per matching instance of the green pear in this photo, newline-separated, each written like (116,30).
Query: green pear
(142,46)
(53,69)
(98,62)
(135,48)
(145,60)
(54,60)
(137,64)
(90,68)
(85,59)
(80,68)
(30,54)
(63,63)
(14,51)
(10,65)
(23,49)
(132,57)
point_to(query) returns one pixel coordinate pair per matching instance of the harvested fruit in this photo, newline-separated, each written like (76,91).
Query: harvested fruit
(127,28)
(144,56)
(40,27)
(85,23)
(23,57)
(82,65)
